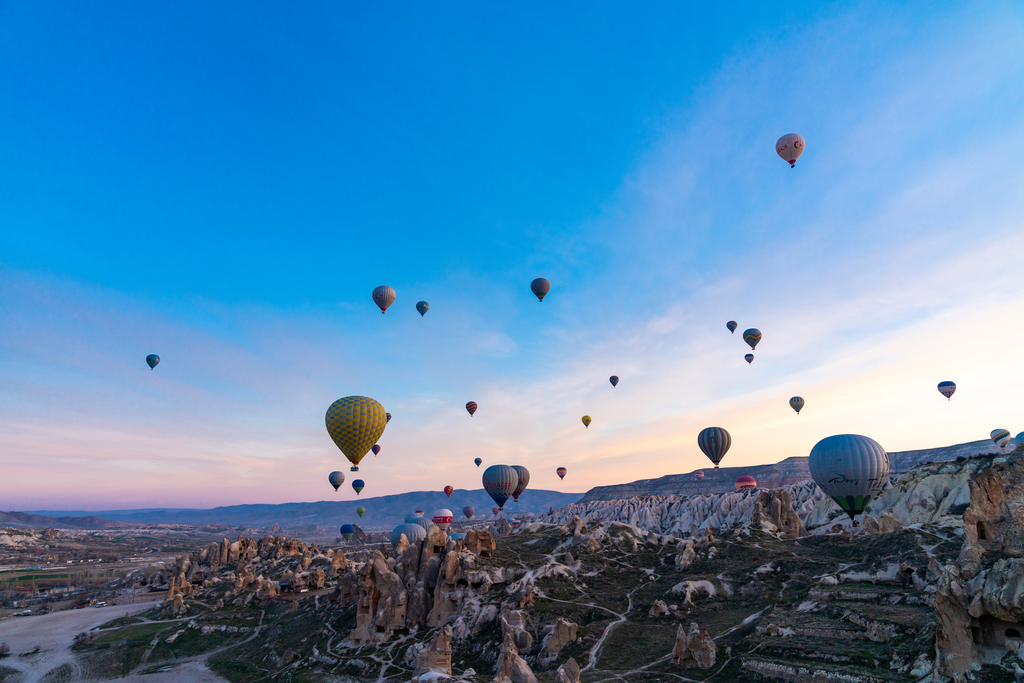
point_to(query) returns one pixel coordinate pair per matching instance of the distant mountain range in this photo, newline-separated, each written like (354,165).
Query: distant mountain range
(88,520)
(381,512)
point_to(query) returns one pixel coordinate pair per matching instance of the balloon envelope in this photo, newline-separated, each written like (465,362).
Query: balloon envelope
(478,461)
(427,524)
(413,515)
(561,472)
(355,423)
(360,511)
(790,147)
(499,483)
(414,532)
(796,403)
(1001,437)
(850,469)
(442,518)
(524,480)
(375,449)
(336,478)
(358,485)
(752,336)
(423,307)
(749,358)
(387,417)
(614,379)
(732,326)
(471,408)
(383,296)
(468,511)
(495,510)
(698,475)
(586,421)
(946,389)
(715,442)
(152,360)
(745,482)
(448,490)
(540,287)
(347,530)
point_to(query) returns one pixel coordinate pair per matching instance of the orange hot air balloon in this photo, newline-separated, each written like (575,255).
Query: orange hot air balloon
(448,490)
(471,408)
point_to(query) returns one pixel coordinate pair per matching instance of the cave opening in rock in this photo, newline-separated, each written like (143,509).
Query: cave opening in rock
(1013,633)
(982,536)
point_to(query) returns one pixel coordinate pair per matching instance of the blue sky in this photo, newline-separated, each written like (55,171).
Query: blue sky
(225,186)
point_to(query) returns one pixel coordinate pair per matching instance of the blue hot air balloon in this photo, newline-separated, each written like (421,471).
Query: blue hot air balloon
(422,307)
(752,337)
(152,360)
(947,389)
(347,530)
(358,485)
(478,461)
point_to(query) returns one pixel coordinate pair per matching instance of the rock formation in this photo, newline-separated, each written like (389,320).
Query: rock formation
(568,672)
(562,633)
(437,656)
(773,512)
(694,648)
(511,667)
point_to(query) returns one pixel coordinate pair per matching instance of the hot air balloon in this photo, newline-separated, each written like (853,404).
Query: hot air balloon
(1019,439)
(499,483)
(699,475)
(495,511)
(749,358)
(540,287)
(524,480)
(387,417)
(413,532)
(448,490)
(413,515)
(427,524)
(850,469)
(336,478)
(458,536)
(422,307)
(375,449)
(614,379)
(586,421)
(947,389)
(745,482)
(471,408)
(358,485)
(419,512)
(383,296)
(790,147)
(796,403)
(1001,437)
(468,511)
(347,530)
(152,360)
(478,461)
(752,336)
(360,511)
(355,423)
(732,326)
(561,472)
(442,518)
(715,443)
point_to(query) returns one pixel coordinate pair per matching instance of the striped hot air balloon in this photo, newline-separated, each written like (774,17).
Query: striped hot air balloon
(796,403)
(413,515)
(745,482)
(448,490)
(946,389)
(732,326)
(752,337)
(715,443)
(790,147)
(524,481)
(561,471)
(850,469)
(614,379)
(471,408)
(413,532)
(749,358)
(699,475)
(336,478)
(427,524)
(383,296)
(540,288)
(443,517)
(499,483)
(355,423)
(1001,437)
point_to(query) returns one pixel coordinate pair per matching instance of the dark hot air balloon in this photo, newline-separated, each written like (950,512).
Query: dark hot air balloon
(152,360)
(752,336)
(471,408)
(796,403)
(347,530)
(387,417)
(749,358)
(336,478)
(499,483)
(947,389)
(540,287)
(732,326)
(561,471)
(468,511)
(850,469)
(715,443)
(495,511)
(375,449)
(478,461)
(358,485)
(422,307)
(524,480)
(448,490)
(383,296)
(614,379)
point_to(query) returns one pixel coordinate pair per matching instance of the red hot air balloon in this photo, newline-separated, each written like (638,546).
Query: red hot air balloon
(561,472)
(745,482)
(495,511)
(540,287)
(375,449)
(448,490)
(471,408)
(383,296)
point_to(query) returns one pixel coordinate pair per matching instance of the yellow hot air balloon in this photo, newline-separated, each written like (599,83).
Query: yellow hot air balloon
(586,420)
(355,423)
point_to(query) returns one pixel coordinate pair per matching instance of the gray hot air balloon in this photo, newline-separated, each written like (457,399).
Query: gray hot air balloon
(422,307)
(540,288)
(524,481)
(336,478)
(411,516)
(850,469)
(414,532)
(468,511)
(715,443)
(152,360)
(427,524)
(499,482)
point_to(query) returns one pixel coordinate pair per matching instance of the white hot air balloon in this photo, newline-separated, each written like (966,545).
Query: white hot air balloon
(790,147)
(851,469)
